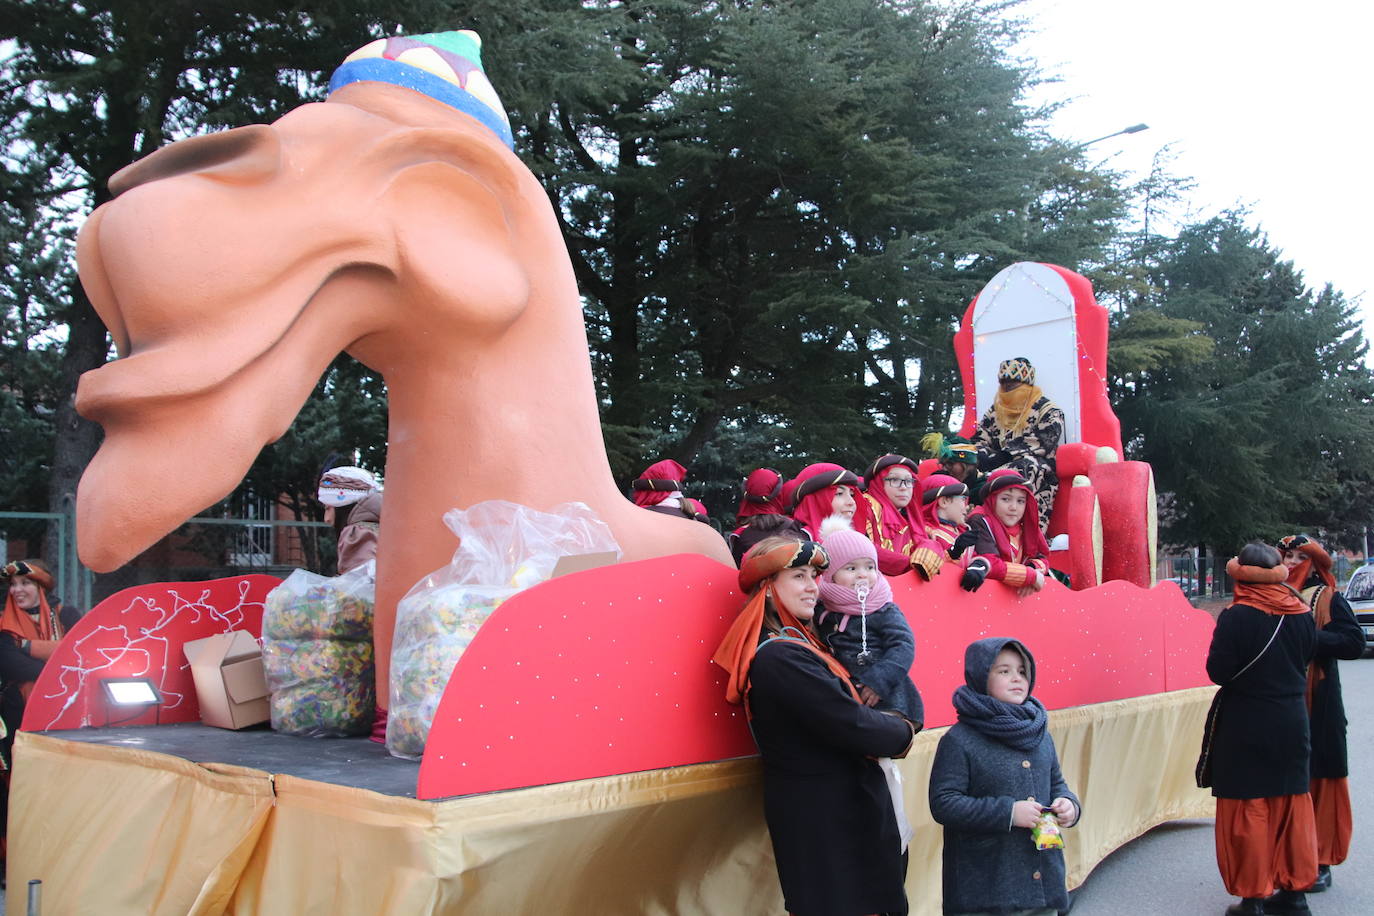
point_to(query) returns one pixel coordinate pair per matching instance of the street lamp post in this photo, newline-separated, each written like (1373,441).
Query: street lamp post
(1133,129)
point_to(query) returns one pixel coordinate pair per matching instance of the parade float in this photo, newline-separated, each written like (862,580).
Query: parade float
(582,758)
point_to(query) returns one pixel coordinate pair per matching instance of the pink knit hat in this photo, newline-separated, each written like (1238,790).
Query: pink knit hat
(844,545)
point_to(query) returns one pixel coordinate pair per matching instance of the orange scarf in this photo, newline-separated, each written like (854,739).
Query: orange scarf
(1318,597)
(1265,589)
(21,626)
(1315,559)
(736,651)
(1012,408)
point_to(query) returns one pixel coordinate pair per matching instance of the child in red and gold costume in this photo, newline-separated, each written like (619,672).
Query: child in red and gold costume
(944,510)
(887,517)
(1010,546)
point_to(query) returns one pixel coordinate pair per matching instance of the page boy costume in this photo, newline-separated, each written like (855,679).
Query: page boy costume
(1338,637)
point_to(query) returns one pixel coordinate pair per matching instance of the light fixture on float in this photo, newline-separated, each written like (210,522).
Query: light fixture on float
(131,693)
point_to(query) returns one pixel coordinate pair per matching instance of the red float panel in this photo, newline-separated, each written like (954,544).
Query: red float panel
(1187,637)
(608,671)
(139,632)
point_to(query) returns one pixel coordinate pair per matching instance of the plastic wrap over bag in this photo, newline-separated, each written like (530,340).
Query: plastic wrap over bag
(317,653)
(503,548)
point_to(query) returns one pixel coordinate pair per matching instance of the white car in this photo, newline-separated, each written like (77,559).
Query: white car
(1359,591)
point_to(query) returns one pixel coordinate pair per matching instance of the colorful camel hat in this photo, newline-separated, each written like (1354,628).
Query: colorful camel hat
(446,66)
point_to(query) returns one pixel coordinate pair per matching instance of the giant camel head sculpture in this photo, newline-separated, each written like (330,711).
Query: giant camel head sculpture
(393,222)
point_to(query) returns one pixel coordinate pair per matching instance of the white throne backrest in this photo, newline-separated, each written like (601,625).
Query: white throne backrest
(1027,310)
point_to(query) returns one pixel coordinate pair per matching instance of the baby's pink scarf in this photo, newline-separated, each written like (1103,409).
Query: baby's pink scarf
(842,599)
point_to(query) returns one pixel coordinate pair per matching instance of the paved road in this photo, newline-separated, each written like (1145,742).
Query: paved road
(1172,869)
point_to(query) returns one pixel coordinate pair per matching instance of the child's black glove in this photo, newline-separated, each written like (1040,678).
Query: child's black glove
(975,574)
(961,543)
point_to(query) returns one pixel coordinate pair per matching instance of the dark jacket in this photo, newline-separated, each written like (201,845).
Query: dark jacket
(829,813)
(989,865)
(893,650)
(19,667)
(1261,747)
(1341,638)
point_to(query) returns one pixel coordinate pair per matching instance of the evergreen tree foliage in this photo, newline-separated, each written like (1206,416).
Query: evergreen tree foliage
(34,278)
(782,212)
(1273,432)
(776,212)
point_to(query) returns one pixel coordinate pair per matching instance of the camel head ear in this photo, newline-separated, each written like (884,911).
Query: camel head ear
(452,203)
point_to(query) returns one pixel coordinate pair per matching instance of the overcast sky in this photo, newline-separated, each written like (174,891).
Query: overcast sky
(1266,104)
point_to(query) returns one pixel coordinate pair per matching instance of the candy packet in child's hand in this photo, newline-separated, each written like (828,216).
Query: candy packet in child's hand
(1046,833)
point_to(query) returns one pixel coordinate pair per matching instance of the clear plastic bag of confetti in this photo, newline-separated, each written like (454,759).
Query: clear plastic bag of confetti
(308,606)
(321,688)
(317,653)
(503,548)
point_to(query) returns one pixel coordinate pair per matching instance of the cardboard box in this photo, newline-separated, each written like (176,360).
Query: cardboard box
(230,684)
(581,562)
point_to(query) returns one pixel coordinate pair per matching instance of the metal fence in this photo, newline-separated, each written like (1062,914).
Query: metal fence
(46,536)
(202,548)
(1206,576)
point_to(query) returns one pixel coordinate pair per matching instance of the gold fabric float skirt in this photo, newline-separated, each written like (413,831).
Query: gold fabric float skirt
(118,830)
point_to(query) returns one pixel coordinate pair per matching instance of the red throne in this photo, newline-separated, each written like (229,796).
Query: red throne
(1106,505)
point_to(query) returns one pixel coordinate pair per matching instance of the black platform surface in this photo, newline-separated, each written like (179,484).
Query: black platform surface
(356,762)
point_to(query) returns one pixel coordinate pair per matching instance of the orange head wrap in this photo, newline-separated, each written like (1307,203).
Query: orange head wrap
(1316,561)
(18,623)
(736,651)
(1264,588)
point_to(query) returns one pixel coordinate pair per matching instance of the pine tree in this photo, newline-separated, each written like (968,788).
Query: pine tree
(1272,433)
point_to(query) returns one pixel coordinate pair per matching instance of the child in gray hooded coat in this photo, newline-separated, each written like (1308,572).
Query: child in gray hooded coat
(995,774)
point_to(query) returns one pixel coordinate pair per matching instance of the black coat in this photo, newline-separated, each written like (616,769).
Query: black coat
(829,813)
(1341,638)
(989,865)
(893,648)
(1261,747)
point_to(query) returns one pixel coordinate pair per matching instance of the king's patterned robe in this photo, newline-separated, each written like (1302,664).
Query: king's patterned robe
(1029,452)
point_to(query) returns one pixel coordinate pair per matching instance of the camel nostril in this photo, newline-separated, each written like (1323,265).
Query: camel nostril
(240,155)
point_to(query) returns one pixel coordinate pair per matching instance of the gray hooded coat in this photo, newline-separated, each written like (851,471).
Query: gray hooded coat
(989,865)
